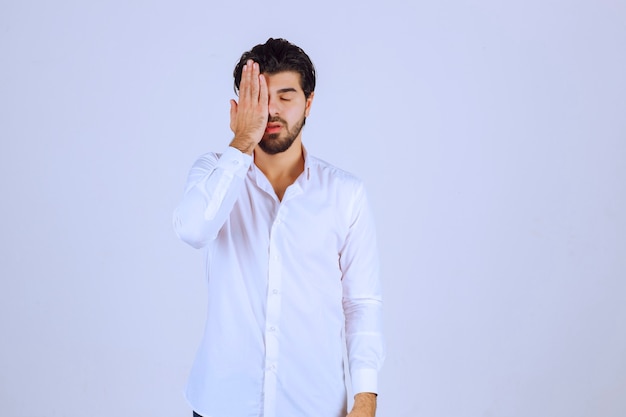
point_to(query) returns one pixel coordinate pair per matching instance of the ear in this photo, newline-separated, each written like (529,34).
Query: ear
(307,105)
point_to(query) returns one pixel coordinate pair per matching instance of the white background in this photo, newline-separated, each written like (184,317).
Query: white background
(491,136)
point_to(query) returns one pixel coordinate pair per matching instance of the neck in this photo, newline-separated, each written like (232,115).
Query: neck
(281,164)
(281,169)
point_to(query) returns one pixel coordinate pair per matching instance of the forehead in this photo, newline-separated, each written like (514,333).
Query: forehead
(283,80)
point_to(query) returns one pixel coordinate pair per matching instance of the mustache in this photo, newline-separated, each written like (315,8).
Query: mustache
(276,119)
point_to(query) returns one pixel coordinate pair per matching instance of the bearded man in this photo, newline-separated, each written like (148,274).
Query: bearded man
(292,263)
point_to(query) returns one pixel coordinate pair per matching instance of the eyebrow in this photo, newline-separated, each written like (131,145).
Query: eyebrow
(287,90)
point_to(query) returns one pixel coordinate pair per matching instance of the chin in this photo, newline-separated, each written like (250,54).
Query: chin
(274,145)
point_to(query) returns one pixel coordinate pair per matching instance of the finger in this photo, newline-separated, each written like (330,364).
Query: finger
(233,114)
(254,82)
(263,94)
(245,82)
(250,80)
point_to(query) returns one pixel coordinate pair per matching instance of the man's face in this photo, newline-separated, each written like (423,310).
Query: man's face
(287,110)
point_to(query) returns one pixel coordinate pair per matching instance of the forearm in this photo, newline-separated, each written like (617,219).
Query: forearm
(212,188)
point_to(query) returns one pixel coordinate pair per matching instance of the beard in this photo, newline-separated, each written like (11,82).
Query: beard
(279,142)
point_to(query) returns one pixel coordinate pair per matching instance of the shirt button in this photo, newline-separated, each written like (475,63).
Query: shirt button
(275,292)
(272,329)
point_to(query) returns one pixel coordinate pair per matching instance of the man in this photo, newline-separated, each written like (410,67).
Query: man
(291,259)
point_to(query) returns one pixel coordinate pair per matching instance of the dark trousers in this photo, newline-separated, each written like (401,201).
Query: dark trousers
(196,414)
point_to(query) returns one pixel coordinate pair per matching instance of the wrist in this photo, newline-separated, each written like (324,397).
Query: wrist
(365,401)
(244,145)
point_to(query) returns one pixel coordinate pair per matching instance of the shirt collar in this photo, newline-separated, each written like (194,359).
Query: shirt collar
(299,184)
(307,165)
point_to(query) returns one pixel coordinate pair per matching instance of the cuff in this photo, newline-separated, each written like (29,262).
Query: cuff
(364,380)
(235,162)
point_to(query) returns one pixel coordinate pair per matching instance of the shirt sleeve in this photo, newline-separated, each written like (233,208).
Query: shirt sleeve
(213,185)
(362,298)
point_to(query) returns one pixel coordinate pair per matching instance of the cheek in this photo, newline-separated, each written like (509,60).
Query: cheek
(294,114)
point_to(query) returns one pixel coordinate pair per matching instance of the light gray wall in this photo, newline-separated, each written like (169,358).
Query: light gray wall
(491,136)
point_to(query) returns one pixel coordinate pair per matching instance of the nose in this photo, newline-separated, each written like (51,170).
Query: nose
(274,106)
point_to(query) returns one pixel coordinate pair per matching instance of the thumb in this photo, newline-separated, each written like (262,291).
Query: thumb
(233,114)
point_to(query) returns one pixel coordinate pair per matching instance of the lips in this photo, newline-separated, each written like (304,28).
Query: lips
(273,127)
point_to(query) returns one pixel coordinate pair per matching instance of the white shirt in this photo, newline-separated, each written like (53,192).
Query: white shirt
(283,279)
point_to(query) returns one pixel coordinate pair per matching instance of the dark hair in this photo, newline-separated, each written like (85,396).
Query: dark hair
(278,55)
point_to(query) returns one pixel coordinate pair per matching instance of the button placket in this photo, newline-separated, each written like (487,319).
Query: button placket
(272,319)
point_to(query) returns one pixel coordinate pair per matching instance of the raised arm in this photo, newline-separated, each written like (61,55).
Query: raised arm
(214,181)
